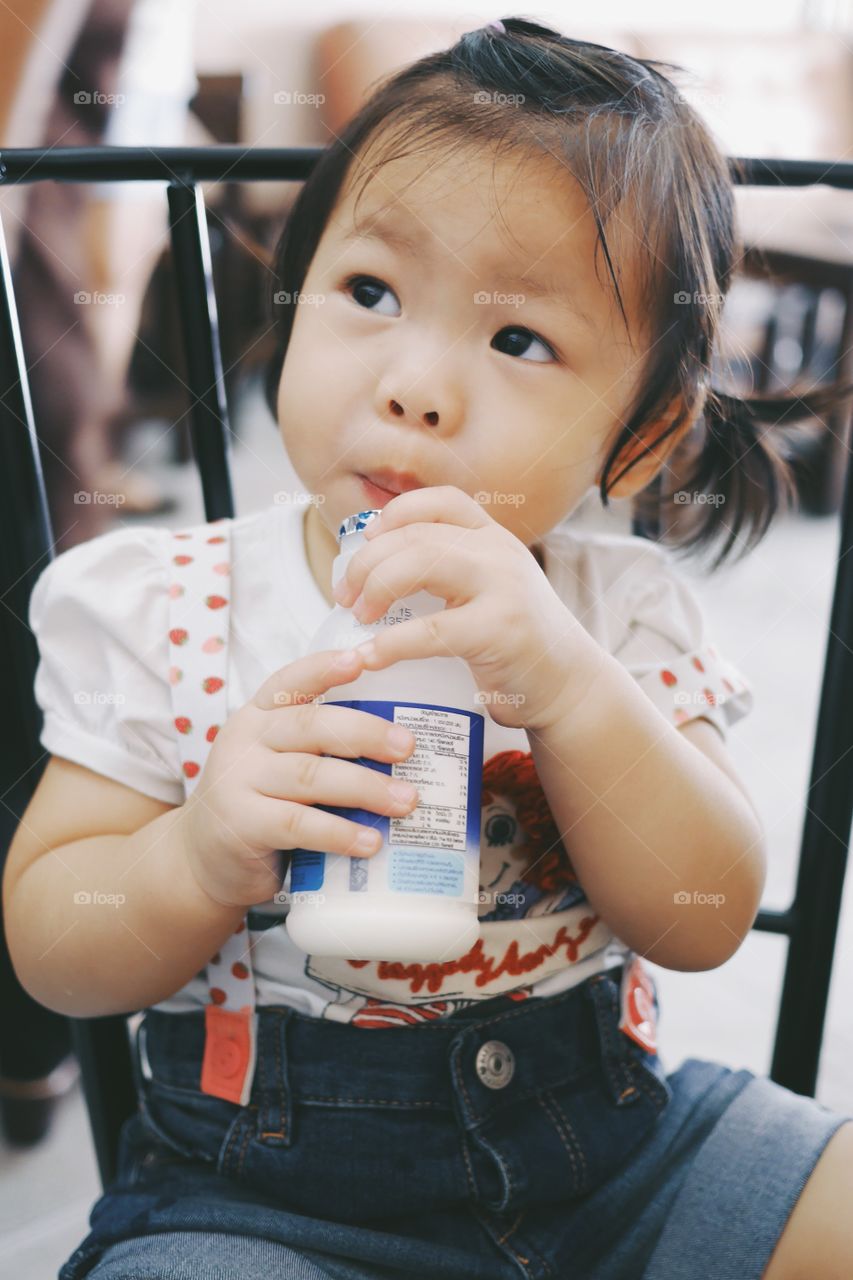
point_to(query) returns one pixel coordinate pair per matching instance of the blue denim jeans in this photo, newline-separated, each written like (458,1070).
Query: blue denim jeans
(516,1138)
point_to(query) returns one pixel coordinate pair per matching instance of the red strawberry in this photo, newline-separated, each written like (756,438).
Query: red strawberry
(215,602)
(179,635)
(181,535)
(668,678)
(218,538)
(182,559)
(212,732)
(183,724)
(697,662)
(212,684)
(190,768)
(239,970)
(217,995)
(711,696)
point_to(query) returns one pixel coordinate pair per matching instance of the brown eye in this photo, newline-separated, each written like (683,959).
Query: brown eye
(365,291)
(515,338)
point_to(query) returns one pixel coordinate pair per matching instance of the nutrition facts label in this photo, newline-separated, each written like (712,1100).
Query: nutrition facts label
(440,768)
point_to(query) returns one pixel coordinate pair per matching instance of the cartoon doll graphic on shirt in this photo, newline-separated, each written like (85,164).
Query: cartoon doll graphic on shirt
(525,873)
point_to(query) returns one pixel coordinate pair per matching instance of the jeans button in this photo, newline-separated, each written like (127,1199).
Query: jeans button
(495,1064)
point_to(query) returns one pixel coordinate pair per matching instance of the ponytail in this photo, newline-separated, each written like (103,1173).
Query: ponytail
(744,456)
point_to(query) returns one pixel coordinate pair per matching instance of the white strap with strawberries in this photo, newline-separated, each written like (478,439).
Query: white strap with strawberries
(199,615)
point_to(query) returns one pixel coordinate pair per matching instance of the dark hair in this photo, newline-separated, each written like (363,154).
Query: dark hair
(623,130)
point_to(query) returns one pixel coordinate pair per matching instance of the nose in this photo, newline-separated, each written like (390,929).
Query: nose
(425,385)
(430,416)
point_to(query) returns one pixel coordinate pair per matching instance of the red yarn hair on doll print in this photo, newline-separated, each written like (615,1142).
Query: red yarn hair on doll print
(534,843)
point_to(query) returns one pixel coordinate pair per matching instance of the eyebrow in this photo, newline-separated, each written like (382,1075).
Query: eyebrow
(413,244)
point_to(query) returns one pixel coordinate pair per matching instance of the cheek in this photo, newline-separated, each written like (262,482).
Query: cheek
(303,388)
(312,410)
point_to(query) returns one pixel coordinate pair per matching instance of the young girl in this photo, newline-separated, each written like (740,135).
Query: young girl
(502,285)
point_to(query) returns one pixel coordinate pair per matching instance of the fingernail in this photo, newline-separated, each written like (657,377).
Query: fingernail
(368,842)
(402,791)
(400,738)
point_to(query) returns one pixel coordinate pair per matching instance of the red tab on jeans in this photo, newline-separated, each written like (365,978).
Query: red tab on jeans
(229,1053)
(639,1017)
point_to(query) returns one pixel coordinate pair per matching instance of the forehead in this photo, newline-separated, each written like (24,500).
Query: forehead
(513,213)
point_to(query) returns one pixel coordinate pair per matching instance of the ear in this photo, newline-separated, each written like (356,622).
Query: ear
(644,471)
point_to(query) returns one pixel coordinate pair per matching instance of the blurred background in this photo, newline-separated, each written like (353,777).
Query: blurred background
(96,298)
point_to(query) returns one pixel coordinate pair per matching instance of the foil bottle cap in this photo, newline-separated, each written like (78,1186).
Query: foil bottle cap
(355,523)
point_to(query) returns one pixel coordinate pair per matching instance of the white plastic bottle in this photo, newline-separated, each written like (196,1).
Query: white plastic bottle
(417,897)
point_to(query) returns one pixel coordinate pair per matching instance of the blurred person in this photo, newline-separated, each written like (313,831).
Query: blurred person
(127,223)
(86,254)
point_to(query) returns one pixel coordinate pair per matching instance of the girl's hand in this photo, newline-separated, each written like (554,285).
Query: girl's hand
(527,652)
(270,763)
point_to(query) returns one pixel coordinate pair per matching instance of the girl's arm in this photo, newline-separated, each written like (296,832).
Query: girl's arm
(668,848)
(111,921)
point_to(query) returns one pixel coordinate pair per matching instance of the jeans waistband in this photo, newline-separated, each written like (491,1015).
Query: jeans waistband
(302,1059)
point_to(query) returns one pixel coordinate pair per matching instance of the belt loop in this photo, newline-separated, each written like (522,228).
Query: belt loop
(272,1083)
(615,1058)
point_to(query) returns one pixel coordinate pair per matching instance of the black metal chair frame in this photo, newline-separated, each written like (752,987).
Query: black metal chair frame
(810,923)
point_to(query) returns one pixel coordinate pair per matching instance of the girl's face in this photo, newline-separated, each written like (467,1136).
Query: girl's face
(466,342)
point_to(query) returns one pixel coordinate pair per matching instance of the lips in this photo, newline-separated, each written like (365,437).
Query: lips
(393,481)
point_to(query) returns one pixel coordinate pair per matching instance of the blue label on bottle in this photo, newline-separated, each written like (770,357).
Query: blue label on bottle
(307,870)
(428,847)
